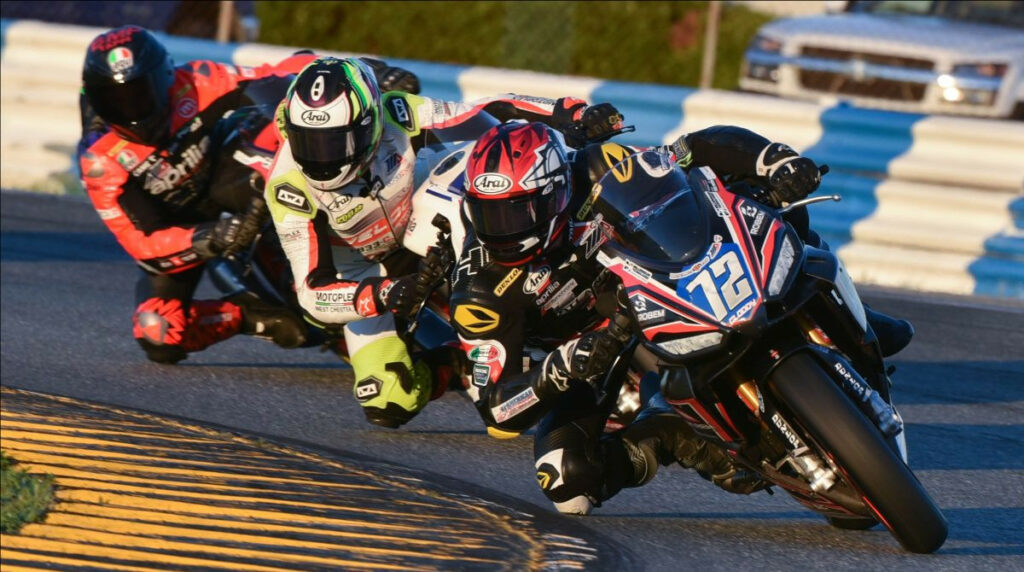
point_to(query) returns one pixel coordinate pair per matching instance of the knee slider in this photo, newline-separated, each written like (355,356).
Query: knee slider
(392,397)
(158,335)
(162,353)
(566,477)
(152,327)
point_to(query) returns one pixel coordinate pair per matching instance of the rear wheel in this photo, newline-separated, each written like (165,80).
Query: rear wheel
(889,487)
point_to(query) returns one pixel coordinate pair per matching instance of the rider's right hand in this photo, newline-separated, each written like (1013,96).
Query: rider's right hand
(409,291)
(790,176)
(600,121)
(586,358)
(211,239)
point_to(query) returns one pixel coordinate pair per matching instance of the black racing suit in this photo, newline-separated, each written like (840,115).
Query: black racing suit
(505,313)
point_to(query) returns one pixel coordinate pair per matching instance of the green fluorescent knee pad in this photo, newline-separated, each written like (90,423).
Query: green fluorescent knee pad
(388,382)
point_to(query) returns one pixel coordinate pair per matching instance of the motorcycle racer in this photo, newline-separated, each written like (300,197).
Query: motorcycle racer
(340,195)
(150,159)
(526,279)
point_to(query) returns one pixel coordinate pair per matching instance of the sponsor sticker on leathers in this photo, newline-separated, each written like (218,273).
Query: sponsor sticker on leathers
(292,198)
(476,319)
(536,280)
(507,281)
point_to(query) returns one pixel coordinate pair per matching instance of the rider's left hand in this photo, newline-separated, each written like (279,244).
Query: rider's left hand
(399,79)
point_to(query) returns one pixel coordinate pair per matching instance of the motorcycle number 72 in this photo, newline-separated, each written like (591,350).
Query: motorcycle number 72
(721,287)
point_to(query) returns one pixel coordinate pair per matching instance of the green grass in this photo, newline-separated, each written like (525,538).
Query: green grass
(24,497)
(649,42)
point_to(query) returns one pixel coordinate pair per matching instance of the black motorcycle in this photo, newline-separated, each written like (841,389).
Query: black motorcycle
(762,344)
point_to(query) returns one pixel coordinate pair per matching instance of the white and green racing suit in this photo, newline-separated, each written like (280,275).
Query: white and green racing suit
(335,239)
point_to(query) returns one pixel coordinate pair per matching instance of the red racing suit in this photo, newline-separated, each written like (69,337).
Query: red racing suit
(152,199)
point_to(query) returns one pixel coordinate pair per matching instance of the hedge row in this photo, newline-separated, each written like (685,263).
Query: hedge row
(651,42)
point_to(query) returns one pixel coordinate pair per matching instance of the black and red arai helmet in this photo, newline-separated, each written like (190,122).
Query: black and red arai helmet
(519,185)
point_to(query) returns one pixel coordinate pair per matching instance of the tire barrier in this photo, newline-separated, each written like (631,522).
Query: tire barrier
(929,203)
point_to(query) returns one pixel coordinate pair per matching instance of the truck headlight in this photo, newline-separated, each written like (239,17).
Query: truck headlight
(767,44)
(974,84)
(763,58)
(980,70)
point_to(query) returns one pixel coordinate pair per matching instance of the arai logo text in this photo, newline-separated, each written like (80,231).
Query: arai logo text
(492,183)
(315,117)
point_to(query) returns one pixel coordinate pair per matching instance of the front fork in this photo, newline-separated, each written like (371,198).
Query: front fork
(802,459)
(872,403)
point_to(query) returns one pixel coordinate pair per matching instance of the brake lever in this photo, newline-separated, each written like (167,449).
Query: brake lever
(809,201)
(613,133)
(822,171)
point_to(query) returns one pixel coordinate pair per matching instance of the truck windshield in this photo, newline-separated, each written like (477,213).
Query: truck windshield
(1002,12)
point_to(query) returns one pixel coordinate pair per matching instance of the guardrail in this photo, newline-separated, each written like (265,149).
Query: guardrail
(929,203)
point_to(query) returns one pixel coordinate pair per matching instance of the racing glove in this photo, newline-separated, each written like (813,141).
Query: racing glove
(376,295)
(681,152)
(213,239)
(582,124)
(790,176)
(586,358)
(391,78)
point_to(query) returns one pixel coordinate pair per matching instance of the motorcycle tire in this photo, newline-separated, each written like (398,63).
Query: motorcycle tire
(858,448)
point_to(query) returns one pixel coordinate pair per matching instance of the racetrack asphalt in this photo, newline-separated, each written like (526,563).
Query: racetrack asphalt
(66,330)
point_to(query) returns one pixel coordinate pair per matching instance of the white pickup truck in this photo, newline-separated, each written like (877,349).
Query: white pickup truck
(950,57)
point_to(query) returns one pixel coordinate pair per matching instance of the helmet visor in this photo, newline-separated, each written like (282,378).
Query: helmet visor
(323,152)
(134,101)
(511,218)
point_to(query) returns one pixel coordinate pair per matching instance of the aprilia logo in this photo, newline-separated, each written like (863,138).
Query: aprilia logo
(165,176)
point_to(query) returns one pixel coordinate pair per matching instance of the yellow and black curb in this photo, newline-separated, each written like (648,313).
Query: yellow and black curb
(137,491)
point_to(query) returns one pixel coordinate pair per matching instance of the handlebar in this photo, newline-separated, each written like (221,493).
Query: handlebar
(444,230)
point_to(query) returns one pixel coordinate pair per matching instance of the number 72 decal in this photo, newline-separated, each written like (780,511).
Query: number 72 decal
(723,288)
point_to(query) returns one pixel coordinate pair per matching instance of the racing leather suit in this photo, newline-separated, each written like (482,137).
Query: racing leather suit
(341,242)
(511,319)
(152,199)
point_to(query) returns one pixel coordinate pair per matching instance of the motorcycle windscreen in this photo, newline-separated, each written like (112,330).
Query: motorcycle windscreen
(657,218)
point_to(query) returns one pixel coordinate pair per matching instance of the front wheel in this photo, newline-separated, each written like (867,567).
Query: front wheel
(888,486)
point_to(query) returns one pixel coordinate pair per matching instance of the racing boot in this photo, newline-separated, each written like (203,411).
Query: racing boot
(659,436)
(264,320)
(893,334)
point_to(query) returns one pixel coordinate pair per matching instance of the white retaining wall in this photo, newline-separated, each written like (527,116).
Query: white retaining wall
(930,203)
